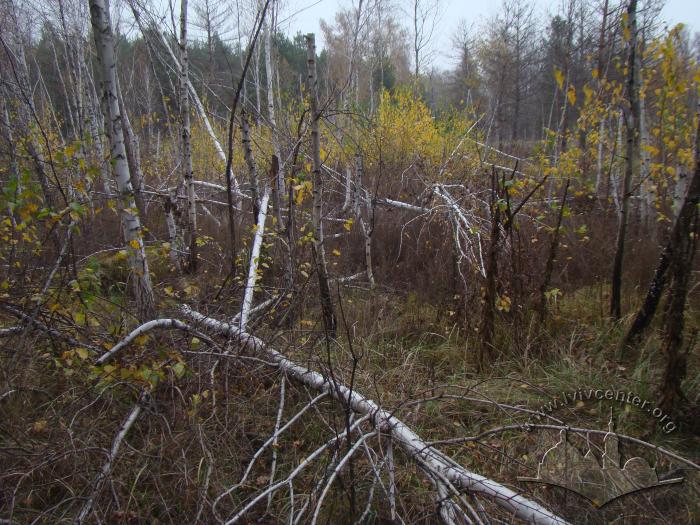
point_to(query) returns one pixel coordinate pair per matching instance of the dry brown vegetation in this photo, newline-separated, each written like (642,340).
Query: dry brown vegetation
(343,289)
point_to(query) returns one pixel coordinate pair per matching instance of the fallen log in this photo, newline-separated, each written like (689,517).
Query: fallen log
(416,448)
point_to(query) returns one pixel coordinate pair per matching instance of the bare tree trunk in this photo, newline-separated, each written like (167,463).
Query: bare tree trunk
(133,156)
(329,318)
(599,163)
(254,260)
(96,122)
(27,109)
(171,215)
(646,183)
(270,75)
(104,44)
(186,145)
(549,266)
(366,223)
(248,156)
(489,313)
(631,163)
(256,80)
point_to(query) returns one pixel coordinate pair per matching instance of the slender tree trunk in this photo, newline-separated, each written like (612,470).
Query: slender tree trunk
(254,259)
(186,143)
(248,156)
(171,219)
(646,183)
(551,258)
(366,224)
(599,163)
(631,162)
(27,108)
(133,156)
(329,318)
(279,184)
(96,122)
(489,310)
(601,40)
(104,43)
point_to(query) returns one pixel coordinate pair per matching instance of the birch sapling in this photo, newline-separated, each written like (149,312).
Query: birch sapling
(329,318)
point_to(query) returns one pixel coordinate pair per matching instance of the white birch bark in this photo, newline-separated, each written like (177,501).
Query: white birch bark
(428,457)
(347,201)
(254,260)
(680,188)
(171,211)
(131,224)
(366,224)
(599,163)
(616,172)
(186,144)
(270,75)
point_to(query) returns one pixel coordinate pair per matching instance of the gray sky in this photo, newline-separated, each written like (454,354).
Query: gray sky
(309,13)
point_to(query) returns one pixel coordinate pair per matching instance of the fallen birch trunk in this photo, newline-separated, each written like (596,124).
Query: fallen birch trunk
(428,457)
(254,260)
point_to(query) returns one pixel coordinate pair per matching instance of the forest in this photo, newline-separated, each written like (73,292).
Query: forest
(249,275)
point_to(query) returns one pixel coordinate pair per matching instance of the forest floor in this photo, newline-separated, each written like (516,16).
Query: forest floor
(61,412)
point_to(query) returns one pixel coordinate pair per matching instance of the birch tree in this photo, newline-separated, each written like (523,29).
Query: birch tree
(268,29)
(131,224)
(632,157)
(186,143)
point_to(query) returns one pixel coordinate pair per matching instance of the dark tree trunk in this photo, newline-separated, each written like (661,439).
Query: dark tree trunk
(632,153)
(489,312)
(549,266)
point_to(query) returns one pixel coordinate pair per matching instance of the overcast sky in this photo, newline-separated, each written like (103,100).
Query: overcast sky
(310,12)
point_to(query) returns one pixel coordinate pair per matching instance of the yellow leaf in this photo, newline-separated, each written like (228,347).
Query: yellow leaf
(82,353)
(39,426)
(559,77)
(571,95)
(336,252)
(299,198)
(134,244)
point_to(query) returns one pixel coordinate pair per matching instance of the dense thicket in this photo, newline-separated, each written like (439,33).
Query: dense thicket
(417,251)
